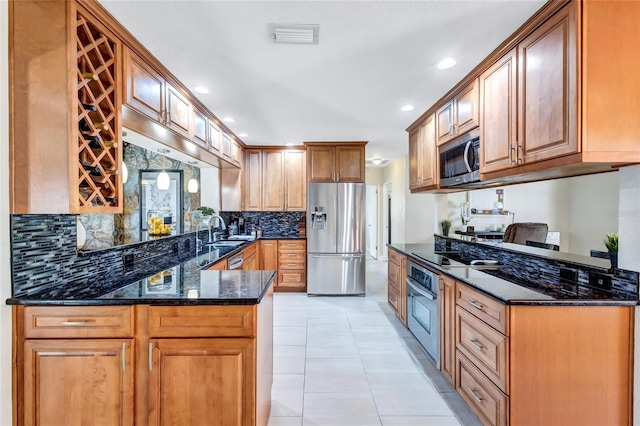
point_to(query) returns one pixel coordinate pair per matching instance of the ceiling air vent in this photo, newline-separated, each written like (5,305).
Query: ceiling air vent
(294,33)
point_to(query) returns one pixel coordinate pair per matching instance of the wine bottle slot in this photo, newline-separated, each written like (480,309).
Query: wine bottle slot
(103,126)
(90,76)
(89,107)
(84,126)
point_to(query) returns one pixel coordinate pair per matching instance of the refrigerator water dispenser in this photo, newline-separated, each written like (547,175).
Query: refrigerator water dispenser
(319,218)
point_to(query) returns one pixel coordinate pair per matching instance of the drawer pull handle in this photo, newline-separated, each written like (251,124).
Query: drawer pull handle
(476,344)
(475,395)
(291,264)
(291,254)
(124,356)
(151,356)
(75,323)
(475,304)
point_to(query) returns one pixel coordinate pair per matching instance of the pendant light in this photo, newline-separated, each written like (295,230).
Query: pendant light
(163,181)
(192,185)
(125,172)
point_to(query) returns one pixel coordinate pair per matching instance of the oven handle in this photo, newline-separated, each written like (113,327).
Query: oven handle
(418,290)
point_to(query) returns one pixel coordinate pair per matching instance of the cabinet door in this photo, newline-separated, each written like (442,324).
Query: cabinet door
(350,163)
(272,180)
(202,381)
(215,138)
(448,328)
(78,382)
(444,123)
(144,88)
(226,147)
(498,114)
(178,112)
(219,266)
(321,163)
(427,173)
(295,180)
(548,89)
(269,255)
(236,153)
(414,159)
(200,127)
(253,180)
(466,108)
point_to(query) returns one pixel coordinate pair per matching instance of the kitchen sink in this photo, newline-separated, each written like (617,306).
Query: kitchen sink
(226,243)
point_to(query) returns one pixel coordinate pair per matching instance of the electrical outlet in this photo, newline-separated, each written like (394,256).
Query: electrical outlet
(127,259)
(187,244)
(569,274)
(174,247)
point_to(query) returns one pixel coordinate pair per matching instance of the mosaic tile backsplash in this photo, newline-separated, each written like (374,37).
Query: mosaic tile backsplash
(526,267)
(44,256)
(274,224)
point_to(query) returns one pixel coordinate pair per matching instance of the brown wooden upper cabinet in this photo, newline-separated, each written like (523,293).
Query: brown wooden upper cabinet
(335,162)
(534,85)
(458,115)
(200,128)
(275,180)
(423,164)
(215,138)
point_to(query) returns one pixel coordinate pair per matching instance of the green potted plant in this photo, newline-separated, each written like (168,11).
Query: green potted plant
(445,224)
(611,243)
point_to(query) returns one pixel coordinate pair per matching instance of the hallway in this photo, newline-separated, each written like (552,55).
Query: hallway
(349,361)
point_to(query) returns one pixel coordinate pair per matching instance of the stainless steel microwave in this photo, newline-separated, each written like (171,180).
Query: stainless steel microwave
(460,160)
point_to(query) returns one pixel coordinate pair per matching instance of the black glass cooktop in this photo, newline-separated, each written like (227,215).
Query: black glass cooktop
(438,258)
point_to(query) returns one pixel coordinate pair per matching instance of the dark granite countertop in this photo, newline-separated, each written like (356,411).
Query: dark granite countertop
(175,281)
(500,283)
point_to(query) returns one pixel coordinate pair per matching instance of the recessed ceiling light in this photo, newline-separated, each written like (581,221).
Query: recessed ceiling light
(377,161)
(446,63)
(289,144)
(407,108)
(228,120)
(243,135)
(201,89)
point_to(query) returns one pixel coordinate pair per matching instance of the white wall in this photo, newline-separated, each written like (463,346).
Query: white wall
(210,187)
(5,272)
(396,173)
(629,218)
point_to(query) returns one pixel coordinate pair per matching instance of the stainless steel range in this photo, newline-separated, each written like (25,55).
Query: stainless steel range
(422,307)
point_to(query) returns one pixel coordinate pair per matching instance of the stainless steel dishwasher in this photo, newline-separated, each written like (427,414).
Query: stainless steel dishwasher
(235,261)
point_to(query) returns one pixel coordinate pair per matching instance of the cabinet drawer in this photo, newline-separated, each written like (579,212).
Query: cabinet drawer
(287,256)
(395,257)
(487,309)
(292,245)
(482,396)
(78,321)
(201,321)
(250,251)
(292,279)
(483,345)
(393,298)
(393,274)
(292,264)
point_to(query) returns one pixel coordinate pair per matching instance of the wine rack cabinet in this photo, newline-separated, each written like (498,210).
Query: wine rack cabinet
(98,117)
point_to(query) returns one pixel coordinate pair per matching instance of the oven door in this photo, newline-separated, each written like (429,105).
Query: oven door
(422,318)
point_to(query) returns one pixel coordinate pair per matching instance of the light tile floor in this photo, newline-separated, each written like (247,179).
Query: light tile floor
(347,361)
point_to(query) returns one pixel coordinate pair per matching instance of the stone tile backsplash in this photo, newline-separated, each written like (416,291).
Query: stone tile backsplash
(274,224)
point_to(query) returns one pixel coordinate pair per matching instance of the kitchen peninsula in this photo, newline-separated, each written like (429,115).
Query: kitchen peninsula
(178,345)
(538,337)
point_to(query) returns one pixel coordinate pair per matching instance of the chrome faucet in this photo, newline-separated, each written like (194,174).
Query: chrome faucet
(208,224)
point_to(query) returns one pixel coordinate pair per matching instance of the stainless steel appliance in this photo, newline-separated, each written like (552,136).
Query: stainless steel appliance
(422,307)
(460,160)
(336,239)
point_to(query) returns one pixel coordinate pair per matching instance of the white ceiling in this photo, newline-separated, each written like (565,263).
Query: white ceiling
(372,58)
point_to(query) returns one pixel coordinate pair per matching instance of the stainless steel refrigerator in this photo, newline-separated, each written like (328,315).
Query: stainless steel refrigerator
(336,239)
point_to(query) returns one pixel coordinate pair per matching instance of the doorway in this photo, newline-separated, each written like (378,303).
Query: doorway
(372,220)
(386,217)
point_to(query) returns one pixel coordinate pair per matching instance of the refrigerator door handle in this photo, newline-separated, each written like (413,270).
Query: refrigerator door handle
(335,218)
